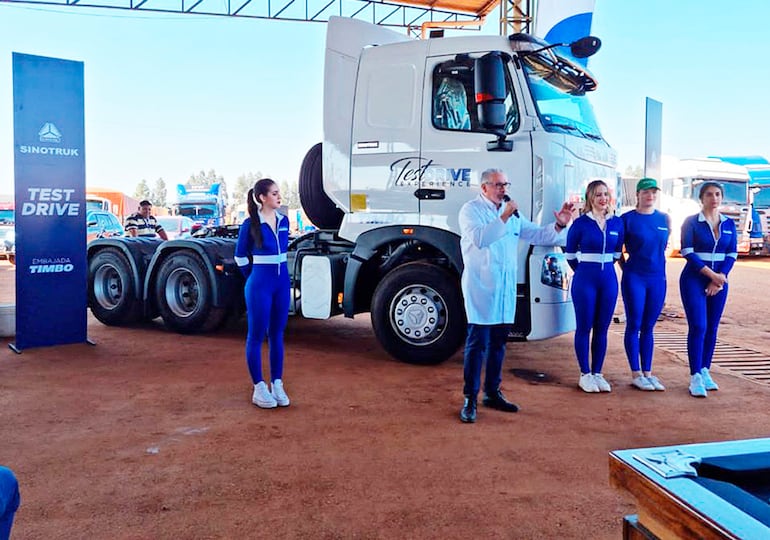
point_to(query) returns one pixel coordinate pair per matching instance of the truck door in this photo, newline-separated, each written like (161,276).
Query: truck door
(386,133)
(454,148)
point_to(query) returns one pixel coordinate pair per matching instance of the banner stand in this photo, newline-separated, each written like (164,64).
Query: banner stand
(15,349)
(50,182)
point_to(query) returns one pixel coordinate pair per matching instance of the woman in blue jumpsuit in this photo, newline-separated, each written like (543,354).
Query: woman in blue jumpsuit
(643,285)
(593,244)
(710,245)
(263,240)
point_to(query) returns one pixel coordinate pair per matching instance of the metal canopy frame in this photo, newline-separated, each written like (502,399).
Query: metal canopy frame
(515,15)
(383,13)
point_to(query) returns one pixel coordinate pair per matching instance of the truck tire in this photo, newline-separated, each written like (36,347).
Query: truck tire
(183,294)
(111,291)
(320,209)
(418,314)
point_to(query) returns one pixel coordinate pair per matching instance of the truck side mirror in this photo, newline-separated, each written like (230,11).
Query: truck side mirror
(489,89)
(585,47)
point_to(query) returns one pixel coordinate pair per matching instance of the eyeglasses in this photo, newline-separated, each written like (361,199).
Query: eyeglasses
(498,185)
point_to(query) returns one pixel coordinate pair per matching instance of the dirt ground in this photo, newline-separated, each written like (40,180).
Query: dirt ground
(150,434)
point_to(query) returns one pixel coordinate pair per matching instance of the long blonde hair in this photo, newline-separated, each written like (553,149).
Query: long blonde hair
(591,192)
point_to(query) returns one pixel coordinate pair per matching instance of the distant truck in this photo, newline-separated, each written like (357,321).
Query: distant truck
(111,200)
(759,192)
(409,126)
(205,206)
(679,196)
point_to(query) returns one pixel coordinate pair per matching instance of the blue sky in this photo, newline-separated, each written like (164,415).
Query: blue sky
(170,95)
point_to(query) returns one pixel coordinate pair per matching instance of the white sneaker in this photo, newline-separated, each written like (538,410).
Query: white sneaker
(656,384)
(279,394)
(262,397)
(642,383)
(587,383)
(696,386)
(708,382)
(601,383)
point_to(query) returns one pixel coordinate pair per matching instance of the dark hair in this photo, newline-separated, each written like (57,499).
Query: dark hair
(707,185)
(252,202)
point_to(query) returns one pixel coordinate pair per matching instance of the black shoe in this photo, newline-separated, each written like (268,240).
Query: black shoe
(468,412)
(496,400)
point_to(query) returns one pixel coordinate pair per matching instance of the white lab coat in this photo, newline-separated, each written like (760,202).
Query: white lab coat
(490,251)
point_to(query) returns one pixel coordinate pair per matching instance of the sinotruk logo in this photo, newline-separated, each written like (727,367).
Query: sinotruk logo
(49,133)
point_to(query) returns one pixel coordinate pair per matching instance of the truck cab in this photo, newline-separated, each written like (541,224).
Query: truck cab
(406,141)
(681,185)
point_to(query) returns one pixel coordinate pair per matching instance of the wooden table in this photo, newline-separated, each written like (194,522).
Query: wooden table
(679,507)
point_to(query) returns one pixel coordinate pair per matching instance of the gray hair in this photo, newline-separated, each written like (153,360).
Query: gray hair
(489,172)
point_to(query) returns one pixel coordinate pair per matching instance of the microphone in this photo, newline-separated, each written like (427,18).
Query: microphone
(506,198)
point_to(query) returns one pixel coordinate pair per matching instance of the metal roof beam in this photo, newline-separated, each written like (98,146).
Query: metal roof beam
(383,12)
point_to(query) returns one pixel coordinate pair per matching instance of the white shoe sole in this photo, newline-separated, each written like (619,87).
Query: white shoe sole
(264,404)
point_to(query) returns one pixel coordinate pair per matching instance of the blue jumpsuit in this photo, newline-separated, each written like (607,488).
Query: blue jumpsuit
(701,247)
(591,253)
(9,501)
(644,282)
(267,292)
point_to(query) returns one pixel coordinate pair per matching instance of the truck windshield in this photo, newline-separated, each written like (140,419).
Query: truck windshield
(735,192)
(559,95)
(95,205)
(198,210)
(762,198)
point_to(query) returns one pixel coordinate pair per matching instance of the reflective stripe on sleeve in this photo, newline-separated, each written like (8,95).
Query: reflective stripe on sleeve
(241,261)
(686,251)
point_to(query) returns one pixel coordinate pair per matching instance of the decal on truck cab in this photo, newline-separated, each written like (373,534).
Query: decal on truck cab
(416,171)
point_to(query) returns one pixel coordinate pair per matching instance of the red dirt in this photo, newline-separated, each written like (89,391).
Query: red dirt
(150,434)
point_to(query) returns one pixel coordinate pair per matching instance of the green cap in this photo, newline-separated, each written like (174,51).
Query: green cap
(647,183)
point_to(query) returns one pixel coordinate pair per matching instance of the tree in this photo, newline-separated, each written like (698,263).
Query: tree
(159,193)
(142,191)
(204,180)
(243,184)
(289,194)
(634,172)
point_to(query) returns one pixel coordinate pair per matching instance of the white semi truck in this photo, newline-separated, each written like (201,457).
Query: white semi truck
(409,125)
(679,198)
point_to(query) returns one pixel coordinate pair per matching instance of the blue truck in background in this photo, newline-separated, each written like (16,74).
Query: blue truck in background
(205,206)
(759,199)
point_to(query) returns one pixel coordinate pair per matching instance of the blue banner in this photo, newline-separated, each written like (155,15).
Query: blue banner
(49,166)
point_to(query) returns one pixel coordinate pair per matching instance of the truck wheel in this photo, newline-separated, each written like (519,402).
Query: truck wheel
(184,296)
(418,314)
(111,292)
(317,205)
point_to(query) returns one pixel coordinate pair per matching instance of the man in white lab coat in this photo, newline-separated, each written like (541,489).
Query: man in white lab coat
(490,228)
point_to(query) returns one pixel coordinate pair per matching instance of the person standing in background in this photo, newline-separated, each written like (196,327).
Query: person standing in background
(263,240)
(710,245)
(643,285)
(593,244)
(144,224)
